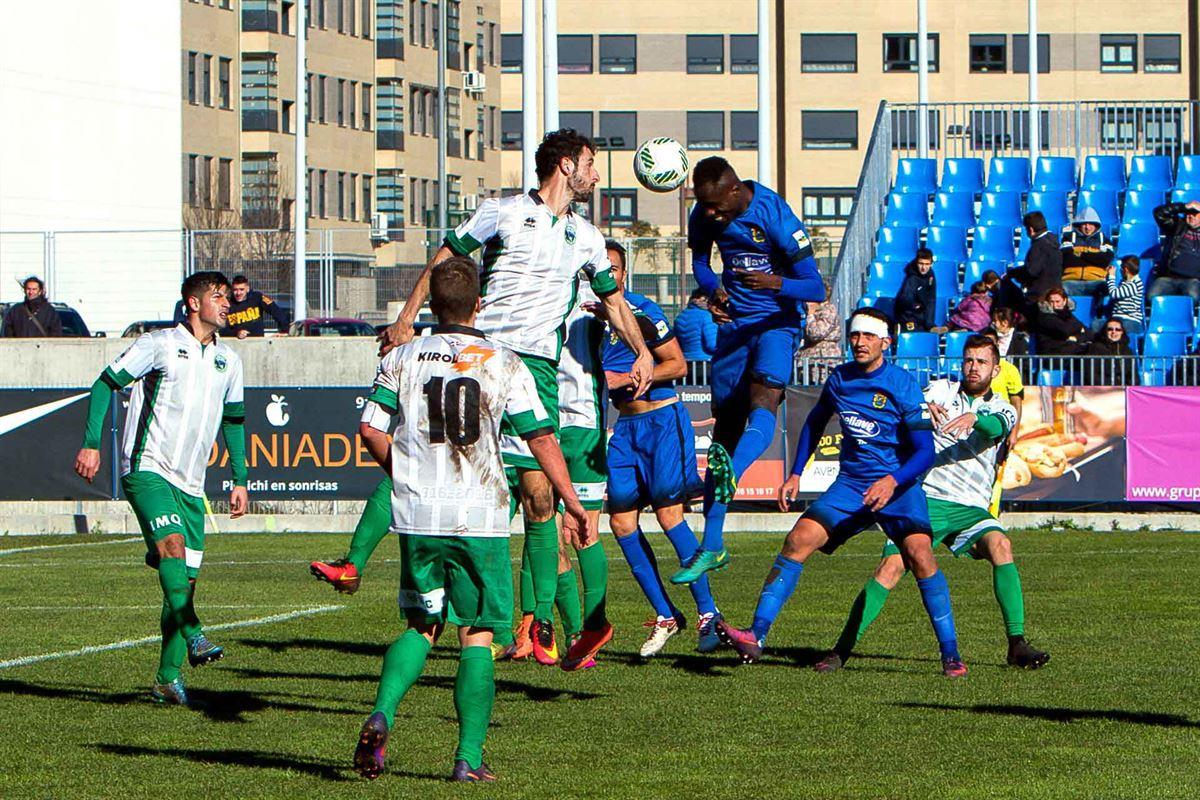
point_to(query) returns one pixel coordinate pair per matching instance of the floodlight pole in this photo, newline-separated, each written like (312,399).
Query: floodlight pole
(1035,127)
(300,206)
(443,126)
(529,126)
(550,65)
(764,93)
(922,79)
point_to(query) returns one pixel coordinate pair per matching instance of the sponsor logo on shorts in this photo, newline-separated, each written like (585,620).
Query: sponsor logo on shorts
(163,520)
(432,602)
(860,427)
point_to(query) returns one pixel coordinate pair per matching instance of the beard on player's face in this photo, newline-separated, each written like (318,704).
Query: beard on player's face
(581,188)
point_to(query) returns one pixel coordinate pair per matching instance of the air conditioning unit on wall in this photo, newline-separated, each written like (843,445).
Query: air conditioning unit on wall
(474,82)
(379,226)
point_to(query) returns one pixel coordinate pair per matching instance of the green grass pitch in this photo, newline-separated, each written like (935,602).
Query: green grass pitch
(1116,714)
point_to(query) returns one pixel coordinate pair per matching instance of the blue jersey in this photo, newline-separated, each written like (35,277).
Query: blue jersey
(766,237)
(617,357)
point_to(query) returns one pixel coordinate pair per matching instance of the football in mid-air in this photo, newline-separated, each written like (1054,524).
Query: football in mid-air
(661,164)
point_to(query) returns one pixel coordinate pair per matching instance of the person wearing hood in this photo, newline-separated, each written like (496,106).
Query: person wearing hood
(918,294)
(1059,332)
(35,316)
(1112,340)
(1086,255)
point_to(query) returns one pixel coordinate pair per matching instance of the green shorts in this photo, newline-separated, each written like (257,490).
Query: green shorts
(162,510)
(545,376)
(585,451)
(466,580)
(957,526)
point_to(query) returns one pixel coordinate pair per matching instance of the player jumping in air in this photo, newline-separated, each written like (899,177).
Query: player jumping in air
(450,504)
(886,449)
(970,424)
(769,274)
(187,384)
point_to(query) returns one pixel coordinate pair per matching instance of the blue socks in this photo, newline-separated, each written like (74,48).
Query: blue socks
(645,572)
(935,594)
(684,541)
(714,526)
(781,582)
(755,439)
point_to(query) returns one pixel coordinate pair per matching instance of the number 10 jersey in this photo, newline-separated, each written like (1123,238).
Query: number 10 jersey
(448,393)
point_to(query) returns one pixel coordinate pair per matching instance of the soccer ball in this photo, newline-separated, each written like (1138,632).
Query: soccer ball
(661,164)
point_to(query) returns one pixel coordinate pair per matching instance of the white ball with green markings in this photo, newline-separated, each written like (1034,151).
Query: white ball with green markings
(661,164)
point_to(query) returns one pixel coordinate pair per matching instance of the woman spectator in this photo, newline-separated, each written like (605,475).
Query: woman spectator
(1129,305)
(1011,341)
(822,337)
(974,312)
(916,301)
(1110,341)
(1059,332)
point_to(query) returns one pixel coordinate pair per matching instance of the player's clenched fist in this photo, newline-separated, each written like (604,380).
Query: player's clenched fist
(87,463)
(788,492)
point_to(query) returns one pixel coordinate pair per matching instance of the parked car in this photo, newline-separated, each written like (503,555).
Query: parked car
(147,325)
(419,328)
(331,326)
(72,322)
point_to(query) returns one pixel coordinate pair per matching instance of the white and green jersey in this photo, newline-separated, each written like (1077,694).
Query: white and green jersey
(183,390)
(581,386)
(449,392)
(964,469)
(529,271)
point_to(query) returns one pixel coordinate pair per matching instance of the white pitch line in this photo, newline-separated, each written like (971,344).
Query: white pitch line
(207,606)
(127,643)
(76,544)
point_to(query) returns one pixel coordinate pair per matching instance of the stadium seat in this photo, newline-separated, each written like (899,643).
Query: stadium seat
(1053,205)
(1187,172)
(947,244)
(1139,239)
(1104,201)
(973,272)
(885,304)
(1085,307)
(945,275)
(1000,208)
(1008,174)
(1052,377)
(1160,351)
(1150,376)
(1055,174)
(1104,173)
(993,244)
(897,244)
(906,211)
(953,210)
(1185,195)
(966,175)
(1170,314)
(1140,205)
(917,345)
(1150,173)
(1023,246)
(916,176)
(884,279)
(955,341)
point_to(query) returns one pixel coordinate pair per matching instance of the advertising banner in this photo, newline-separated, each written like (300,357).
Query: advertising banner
(1164,441)
(41,430)
(762,480)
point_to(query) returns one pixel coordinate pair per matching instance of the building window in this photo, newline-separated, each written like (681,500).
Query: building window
(366,25)
(453,193)
(259,85)
(1118,52)
(743,53)
(618,206)
(905,134)
(366,199)
(578,120)
(829,52)
(322,192)
(206,80)
(900,52)
(285,17)
(366,106)
(510,52)
(618,54)
(493,128)
(574,54)
(988,52)
(480,125)
(390,27)
(620,125)
(389,189)
(285,116)
(260,190)
(321,93)
(260,15)
(453,122)
(352,104)
(510,130)
(341,192)
(190,83)
(223,94)
(989,130)
(1160,52)
(705,53)
(1118,127)
(829,130)
(706,130)
(1161,127)
(341,100)
(389,133)
(453,35)
(224,172)
(824,206)
(190,168)
(1020,130)
(1021,53)
(743,130)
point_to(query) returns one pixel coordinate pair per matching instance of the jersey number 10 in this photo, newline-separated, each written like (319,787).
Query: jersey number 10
(453,410)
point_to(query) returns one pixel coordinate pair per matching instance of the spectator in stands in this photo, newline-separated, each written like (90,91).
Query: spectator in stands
(1059,332)
(974,312)
(1179,272)
(1128,305)
(992,281)
(1112,340)
(695,329)
(34,316)
(1041,272)
(917,299)
(1086,255)
(822,337)
(1011,341)
(246,310)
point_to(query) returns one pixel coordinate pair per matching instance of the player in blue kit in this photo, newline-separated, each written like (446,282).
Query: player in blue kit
(886,450)
(769,274)
(652,462)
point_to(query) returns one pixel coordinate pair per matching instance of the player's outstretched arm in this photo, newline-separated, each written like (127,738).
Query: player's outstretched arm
(233,429)
(623,322)
(401,331)
(577,525)
(87,460)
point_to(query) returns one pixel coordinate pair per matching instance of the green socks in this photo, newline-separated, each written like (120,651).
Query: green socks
(372,526)
(177,595)
(174,648)
(1006,582)
(593,566)
(566,598)
(541,542)
(866,608)
(401,667)
(474,693)
(527,603)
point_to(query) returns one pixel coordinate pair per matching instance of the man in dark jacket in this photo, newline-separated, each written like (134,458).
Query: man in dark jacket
(1086,256)
(917,298)
(246,311)
(1041,272)
(1059,332)
(1179,272)
(35,316)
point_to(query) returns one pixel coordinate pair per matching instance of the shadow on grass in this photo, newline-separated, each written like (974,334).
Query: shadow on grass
(325,770)
(1052,714)
(374,649)
(250,672)
(538,694)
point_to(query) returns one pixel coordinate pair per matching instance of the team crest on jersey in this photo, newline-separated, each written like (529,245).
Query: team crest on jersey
(570,234)
(471,357)
(879,400)
(756,235)
(220,363)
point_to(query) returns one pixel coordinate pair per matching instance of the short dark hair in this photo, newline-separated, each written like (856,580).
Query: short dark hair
(923,253)
(990,276)
(557,145)
(711,171)
(874,313)
(1055,290)
(698,294)
(1131,263)
(980,342)
(613,244)
(1003,314)
(1034,221)
(198,283)
(978,287)
(241,279)
(454,289)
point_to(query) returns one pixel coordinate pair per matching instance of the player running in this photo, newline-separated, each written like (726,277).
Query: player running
(886,449)
(534,247)
(970,425)
(652,461)
(187,385)
(450,502)
(769,274)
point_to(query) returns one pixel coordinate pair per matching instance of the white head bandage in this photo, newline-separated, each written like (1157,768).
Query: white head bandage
(863,323)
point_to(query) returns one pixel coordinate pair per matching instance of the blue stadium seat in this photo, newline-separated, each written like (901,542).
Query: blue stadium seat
(963,175)
(1170,314)
(945,275)
(1085,308)
(1000,208)
(974,272)
(1150,376)
(1185,195)
(953,210)
(1160,351)
(1055,174)
(906,211)
(917,345)
(1105,203)
(885,304)
(993,244)
(1139,239)
(1008,174)
(897,244)
(955,341)
(916,176)
(1104,173)
(1140,205)
(1187,172)
(1150,173)
(1052,377)
(1023,246)
(947,244)
(1053,205)
(884,279)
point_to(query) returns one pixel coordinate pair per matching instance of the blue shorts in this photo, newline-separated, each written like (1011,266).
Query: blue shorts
(760,350)
(841,512)
(652,460)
